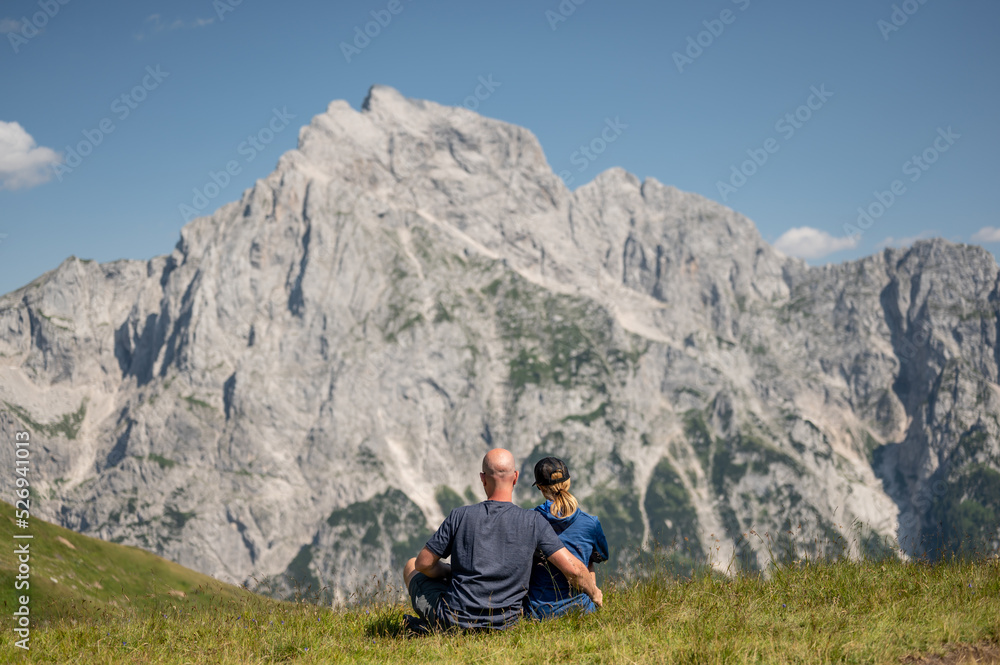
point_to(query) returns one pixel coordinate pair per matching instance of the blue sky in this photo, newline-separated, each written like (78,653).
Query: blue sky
(793,113)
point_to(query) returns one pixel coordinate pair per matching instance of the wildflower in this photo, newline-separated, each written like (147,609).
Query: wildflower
(782,604)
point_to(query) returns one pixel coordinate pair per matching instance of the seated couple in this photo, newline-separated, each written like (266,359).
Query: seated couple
(507,561)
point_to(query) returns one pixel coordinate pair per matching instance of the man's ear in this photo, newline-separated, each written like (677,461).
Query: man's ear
(515,477)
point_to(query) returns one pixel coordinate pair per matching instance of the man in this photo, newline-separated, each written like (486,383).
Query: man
(491,545)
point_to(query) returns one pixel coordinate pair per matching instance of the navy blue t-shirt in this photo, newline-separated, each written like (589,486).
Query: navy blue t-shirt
(581,533)
(491,545)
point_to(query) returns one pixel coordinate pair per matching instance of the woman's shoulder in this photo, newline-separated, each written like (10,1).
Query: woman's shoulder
(582,517)
(591,520)
(542,508)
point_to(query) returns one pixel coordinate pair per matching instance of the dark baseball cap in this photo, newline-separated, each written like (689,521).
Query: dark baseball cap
(550,471)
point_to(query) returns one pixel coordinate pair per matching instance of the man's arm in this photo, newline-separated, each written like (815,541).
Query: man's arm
(577,574)
(430,564)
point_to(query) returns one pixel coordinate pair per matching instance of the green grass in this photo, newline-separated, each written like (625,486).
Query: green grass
(164,462)
(194,401)
(68,424)
(805,613)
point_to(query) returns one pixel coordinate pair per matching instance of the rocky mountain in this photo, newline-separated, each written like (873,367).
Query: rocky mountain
(307,383)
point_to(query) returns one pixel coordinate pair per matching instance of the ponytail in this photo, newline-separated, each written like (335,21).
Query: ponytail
(564,504)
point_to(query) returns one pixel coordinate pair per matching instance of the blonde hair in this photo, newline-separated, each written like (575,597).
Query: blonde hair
(564,504)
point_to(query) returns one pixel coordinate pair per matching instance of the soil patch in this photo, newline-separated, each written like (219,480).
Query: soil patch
(984,653)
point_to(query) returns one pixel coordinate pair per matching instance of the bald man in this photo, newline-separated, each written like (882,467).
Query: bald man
(491,545)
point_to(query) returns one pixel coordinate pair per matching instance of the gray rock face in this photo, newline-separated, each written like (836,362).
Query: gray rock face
(308,382)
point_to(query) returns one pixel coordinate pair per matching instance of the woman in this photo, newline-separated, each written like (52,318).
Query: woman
(549,594)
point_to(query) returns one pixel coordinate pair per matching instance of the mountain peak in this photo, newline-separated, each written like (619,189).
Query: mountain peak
(383,96)
(394,139)
(309,382)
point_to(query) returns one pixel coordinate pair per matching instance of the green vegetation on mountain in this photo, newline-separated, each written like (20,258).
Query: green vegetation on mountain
(559,340)
(448,499)
(387,521)
(965,511)
(67,424)
(621,519)
(672,519)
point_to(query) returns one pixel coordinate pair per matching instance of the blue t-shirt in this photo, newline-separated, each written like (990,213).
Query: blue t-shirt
(550,593)
(492,545)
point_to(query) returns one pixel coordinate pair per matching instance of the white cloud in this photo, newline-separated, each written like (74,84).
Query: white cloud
(905,242)
(156,24)
(808,243)
(22,163)
(9,25)
(986,234)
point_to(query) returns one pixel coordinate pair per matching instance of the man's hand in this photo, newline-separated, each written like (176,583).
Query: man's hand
(593,577)
(577,574)
(430,564)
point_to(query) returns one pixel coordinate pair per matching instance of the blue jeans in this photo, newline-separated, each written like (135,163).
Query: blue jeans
(558,608)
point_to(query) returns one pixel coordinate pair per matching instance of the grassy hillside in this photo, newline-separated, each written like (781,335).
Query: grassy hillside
(887,612)
(74,575)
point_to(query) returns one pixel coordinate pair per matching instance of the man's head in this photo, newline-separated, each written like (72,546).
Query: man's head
(499,474)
